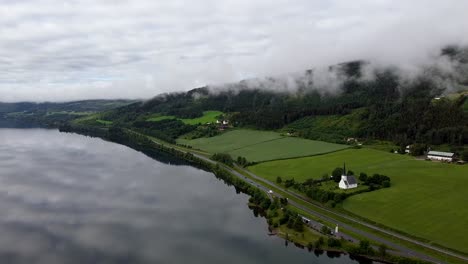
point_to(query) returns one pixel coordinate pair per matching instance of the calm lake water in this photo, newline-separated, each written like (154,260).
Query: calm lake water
(67,198)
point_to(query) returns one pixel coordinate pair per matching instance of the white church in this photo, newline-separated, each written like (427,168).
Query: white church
(347,181)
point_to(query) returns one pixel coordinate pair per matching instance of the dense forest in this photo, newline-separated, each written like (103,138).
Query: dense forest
(430,108)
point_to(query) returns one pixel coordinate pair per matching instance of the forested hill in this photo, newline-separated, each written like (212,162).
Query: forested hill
(27,114)
(429,108)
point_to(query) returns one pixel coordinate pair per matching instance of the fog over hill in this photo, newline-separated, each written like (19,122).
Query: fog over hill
(448,70)
(52,50)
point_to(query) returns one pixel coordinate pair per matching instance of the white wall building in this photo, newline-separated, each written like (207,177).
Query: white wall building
(347,182)
(440,156)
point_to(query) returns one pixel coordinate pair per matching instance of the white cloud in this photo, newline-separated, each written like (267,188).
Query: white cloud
(66,50)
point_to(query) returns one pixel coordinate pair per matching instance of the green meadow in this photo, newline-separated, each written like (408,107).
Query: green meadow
(260,146)
(427,199)
(208,117)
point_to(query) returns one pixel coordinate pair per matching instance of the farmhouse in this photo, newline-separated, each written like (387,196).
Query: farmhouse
(441,156)
(347,182)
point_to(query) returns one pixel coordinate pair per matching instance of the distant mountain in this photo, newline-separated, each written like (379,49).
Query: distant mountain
(27,114)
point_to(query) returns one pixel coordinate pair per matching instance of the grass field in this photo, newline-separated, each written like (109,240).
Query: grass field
(104,122)
(261,145)
(427,199)
(208,117)
(157,117)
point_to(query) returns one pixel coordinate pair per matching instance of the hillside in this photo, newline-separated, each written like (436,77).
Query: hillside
(384,107)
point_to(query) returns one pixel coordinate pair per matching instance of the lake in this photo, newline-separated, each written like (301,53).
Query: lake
(67,198)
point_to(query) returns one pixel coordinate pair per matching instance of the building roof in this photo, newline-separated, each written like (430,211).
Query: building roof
(351,179)
(441,154)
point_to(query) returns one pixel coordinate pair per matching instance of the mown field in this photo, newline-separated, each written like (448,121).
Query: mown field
(427,199)
(261,145)
(208,117)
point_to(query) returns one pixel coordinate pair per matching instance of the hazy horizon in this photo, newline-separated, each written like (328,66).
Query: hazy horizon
(63,51)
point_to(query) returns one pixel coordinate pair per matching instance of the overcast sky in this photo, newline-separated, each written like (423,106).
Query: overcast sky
(67,50)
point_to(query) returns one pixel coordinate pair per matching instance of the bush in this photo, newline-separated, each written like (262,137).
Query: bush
(325,230)
(417,149)
(363,177)
(333,242)
(320,241)
(386,184)
(337,172)
(279,180)
(242,161)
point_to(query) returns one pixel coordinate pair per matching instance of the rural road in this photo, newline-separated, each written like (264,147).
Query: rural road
(402,249)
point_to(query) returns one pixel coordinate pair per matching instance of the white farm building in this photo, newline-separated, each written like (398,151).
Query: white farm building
(440,156)
(347,181)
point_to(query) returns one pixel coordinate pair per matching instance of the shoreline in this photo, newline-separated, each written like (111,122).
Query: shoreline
(148,147)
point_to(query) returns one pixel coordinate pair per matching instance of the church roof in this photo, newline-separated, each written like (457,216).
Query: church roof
(351,179)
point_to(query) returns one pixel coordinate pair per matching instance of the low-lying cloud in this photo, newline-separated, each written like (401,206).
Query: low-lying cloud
(67,50)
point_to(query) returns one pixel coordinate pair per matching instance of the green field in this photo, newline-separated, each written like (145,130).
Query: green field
(261,145)
(208,117)
(427,199)
(157,117)
(104,122)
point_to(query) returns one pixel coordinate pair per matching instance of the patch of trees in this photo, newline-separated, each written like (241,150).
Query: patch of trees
(417,149)
(167,130)
(375,181)
(336,174)
(292,220)
(325,230)
(364,248)
(203,131)
(224,158)
(289,183)
(242,161)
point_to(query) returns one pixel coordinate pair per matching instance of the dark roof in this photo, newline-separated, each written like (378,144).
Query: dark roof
(351,179)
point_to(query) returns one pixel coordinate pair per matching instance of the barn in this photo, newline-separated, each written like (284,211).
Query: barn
(440,156)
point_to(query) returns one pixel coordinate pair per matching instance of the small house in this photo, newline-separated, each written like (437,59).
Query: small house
(441,156)
(408,149)
(347,181)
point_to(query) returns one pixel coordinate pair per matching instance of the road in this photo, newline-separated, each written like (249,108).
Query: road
(404,250)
